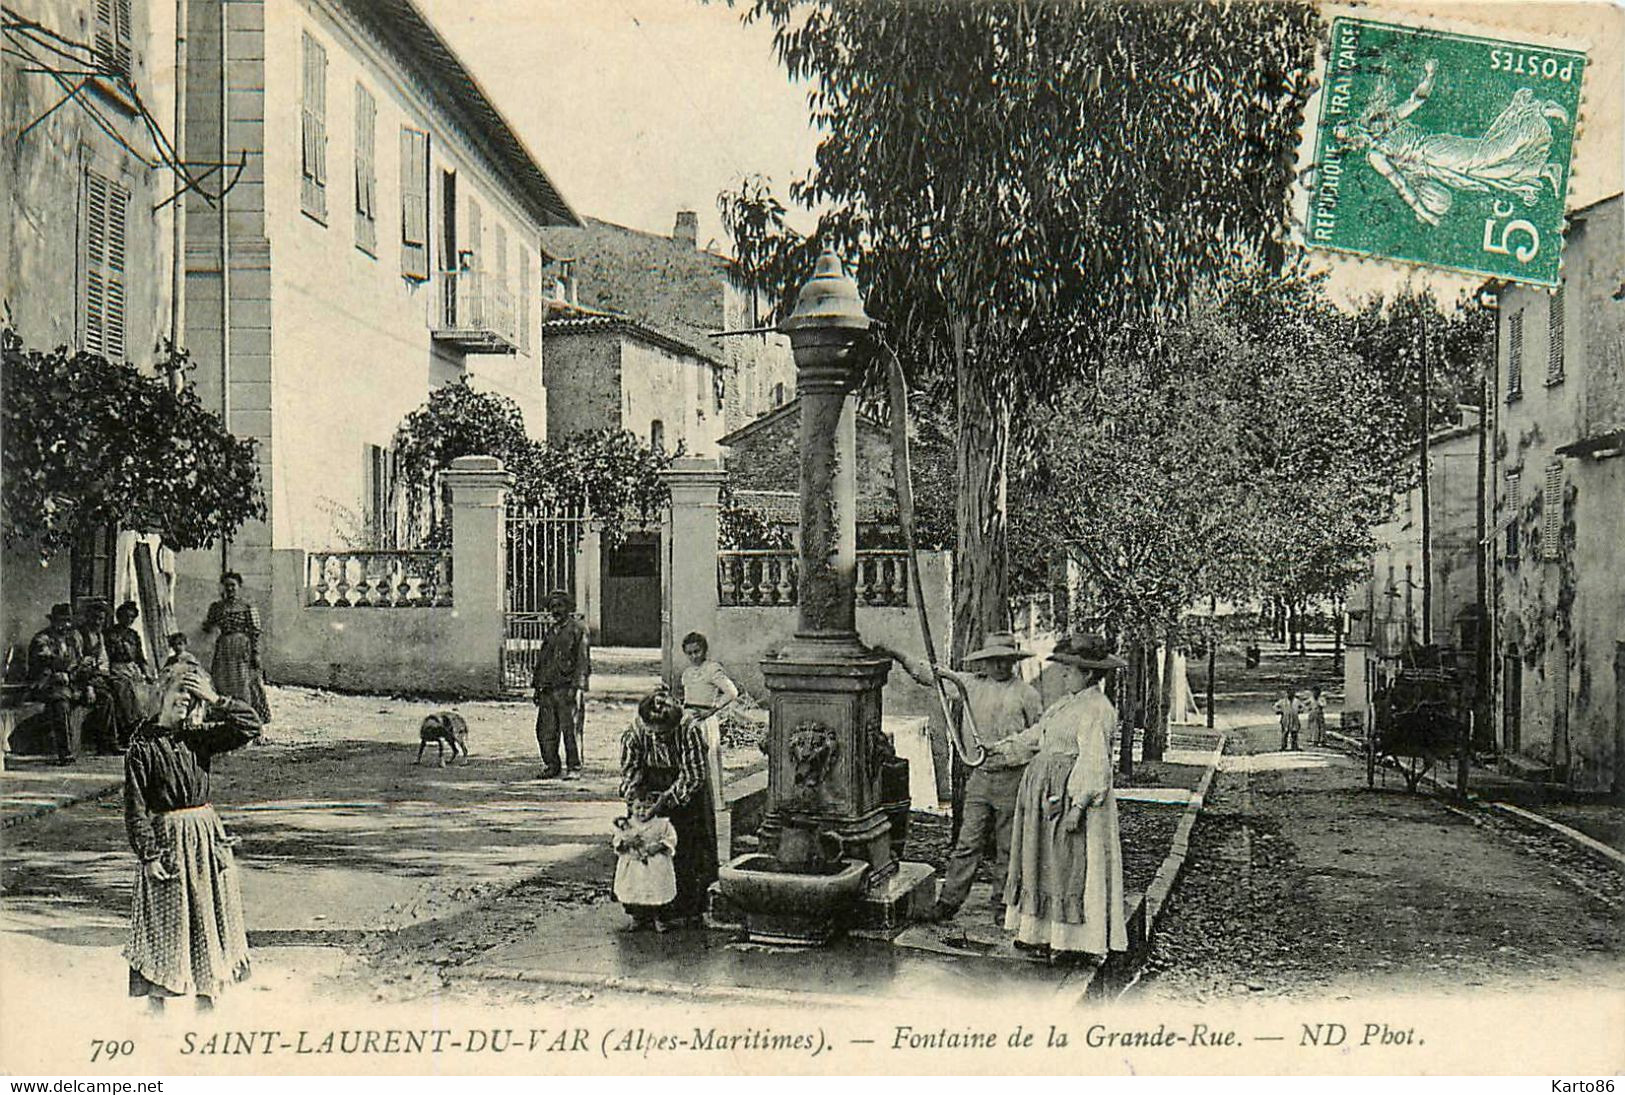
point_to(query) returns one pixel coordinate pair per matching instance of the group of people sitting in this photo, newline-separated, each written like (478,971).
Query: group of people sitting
(95,684)
(1043,797)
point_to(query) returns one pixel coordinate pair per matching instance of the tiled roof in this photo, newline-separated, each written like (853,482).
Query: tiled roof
(587,324)
(409,33)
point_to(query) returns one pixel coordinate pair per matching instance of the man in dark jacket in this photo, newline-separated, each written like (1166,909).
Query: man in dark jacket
(57,670)
(560,682)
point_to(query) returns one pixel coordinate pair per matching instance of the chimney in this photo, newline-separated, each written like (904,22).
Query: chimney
(688,228)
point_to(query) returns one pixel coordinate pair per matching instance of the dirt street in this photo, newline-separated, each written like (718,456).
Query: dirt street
(1304,882)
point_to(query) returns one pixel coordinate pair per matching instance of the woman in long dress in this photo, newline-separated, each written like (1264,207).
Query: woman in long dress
(129,675)
(235,668)
(663,758)
(186,923)
(1064,891)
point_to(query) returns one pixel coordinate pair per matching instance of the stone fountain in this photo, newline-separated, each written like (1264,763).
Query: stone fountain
(837,810)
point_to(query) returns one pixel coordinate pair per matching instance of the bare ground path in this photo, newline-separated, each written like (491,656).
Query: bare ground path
(1304,882)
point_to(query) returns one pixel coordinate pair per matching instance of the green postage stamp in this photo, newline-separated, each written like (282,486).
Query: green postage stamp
(1444,149)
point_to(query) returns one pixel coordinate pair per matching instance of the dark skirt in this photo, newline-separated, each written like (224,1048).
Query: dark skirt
(695,861)
(234,674)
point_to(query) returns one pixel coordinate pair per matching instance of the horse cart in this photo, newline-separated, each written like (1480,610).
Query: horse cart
(1419,720)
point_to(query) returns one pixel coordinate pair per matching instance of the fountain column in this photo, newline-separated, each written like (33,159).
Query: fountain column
(831,772)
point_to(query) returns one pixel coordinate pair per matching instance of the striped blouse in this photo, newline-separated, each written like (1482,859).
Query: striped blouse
(643,747)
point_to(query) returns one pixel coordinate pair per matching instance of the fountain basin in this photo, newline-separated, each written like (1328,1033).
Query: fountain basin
(792,906)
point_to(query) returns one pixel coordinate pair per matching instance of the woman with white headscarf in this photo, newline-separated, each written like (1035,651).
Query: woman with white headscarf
(186,923)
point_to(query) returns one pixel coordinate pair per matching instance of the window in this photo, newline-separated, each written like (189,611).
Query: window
(1514,356)
(366,171)
(381,508)
(1551,512)
(1513,504)
(111,47)
(657,435)
(313,132)
(778,395)
(106,216)
(524,301)
(414,204)
(1554,340)
(90,564)
(719,387)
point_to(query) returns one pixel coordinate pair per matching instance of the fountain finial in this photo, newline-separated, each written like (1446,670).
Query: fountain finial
(828,299)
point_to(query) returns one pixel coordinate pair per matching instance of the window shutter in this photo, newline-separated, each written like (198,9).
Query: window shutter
(122,36)
(366,174)
(476,234)
(1514,504)
(414,203)
(1554,339)
(1515,356)
(502,254)
(313,158)
(1551,513)
(524,301)
(106,214)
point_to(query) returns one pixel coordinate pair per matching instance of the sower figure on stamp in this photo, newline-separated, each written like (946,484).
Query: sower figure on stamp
(559,680)
(1003,705)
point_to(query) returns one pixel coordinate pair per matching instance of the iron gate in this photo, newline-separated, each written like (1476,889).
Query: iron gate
(542,548)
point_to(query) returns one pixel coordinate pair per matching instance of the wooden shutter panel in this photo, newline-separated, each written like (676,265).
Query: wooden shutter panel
(1515,355)
(476,233)
(1551,513)
(106,230)
(1554,340)
(313,158)
(524,300)
(366,215)
(105,42)
(122,35)
(414,203)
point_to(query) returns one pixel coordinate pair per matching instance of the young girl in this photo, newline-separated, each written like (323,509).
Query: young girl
(1287,708)
(707,692)
(186,929)
(645,873)
(178,651)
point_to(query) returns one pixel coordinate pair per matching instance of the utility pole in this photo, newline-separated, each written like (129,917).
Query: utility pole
(177,285)
(1427,516)
(1212,648)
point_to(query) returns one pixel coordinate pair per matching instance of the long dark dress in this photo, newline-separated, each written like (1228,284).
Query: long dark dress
(235,668)
(186,931)
(669,764)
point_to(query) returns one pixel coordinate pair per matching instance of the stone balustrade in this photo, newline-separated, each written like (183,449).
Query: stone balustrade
(771,578)
(378,579)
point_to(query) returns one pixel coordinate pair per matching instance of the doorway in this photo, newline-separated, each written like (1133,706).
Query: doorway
(631,594)
(1511,702)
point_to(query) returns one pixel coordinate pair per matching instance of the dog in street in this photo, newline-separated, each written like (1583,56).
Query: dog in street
(443,728)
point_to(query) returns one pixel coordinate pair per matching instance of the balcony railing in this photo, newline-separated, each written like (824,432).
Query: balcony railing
(474,312)
(768,578)
(378,579)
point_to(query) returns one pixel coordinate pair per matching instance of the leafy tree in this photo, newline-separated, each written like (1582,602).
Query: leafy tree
(91,443)
(1075,172)
(608,473)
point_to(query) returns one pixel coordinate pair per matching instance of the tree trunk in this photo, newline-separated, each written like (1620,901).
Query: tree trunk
(981,564)
(1156,734)
(1127,713)
(1212,657)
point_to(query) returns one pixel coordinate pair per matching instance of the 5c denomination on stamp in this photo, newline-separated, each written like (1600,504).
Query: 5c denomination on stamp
(1444,149)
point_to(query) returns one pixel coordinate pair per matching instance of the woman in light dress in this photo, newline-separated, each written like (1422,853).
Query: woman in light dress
(1064,892)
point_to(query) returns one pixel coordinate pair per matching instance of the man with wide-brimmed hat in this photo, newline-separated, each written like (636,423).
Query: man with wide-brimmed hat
(56,669)
(1002,705)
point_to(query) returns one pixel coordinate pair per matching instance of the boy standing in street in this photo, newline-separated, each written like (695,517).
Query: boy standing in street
(1003,705)
(1287,708)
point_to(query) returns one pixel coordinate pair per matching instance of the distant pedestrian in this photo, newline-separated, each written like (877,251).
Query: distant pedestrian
(559,682)
(1287,708)
(186,925)
(130,679)
(645,873)
(235,668)
(98,731)
(1316,707)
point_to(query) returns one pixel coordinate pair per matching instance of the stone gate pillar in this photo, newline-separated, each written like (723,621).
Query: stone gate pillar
(688,578)
(478,486)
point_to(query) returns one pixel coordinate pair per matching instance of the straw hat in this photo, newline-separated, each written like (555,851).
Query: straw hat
(1086,652)
(1000,644)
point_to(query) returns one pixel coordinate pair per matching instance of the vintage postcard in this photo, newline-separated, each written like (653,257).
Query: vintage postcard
(789,537)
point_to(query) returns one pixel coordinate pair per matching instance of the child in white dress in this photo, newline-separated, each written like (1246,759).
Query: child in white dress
(645,874)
